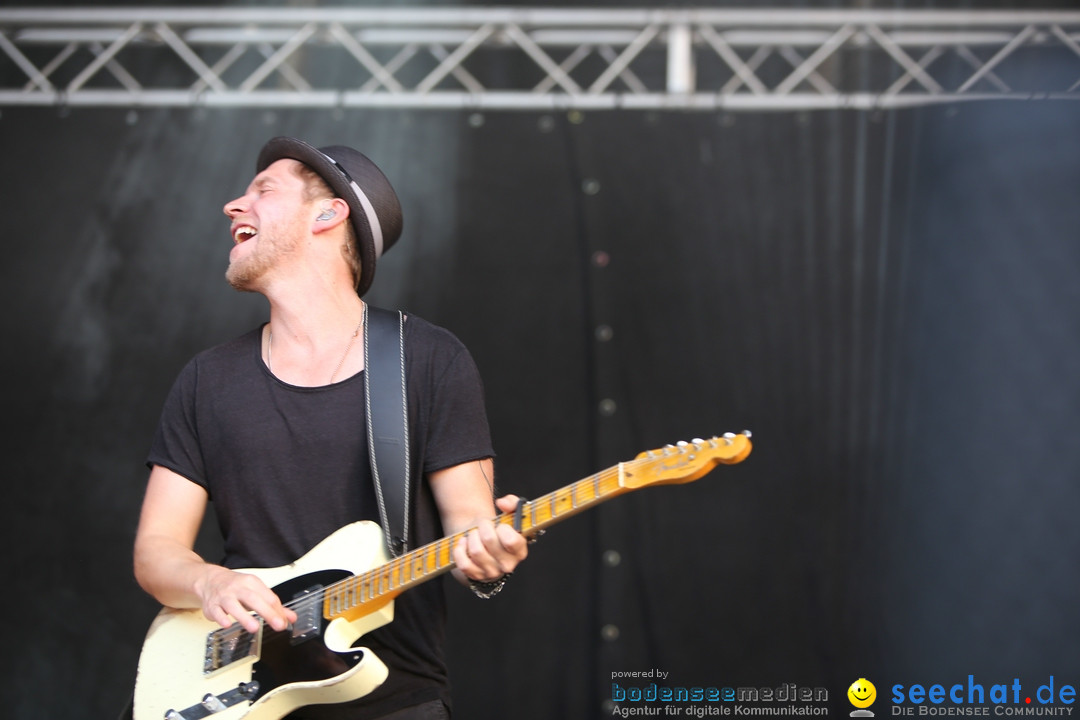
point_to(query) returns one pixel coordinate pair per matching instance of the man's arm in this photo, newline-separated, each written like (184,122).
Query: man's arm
(167,566)
(464,495)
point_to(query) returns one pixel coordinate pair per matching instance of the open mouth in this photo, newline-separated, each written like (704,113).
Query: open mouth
(244,232)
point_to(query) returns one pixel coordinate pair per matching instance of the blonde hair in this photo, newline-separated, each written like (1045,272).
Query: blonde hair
(316,188)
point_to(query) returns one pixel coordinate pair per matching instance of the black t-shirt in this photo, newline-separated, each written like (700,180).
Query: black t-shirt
(285,466)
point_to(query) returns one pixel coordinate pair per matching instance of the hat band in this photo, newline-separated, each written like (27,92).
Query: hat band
(369,209)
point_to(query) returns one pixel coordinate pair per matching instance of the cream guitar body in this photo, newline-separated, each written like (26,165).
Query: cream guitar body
(187,660)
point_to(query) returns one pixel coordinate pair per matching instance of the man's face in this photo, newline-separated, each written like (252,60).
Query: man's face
(267,223)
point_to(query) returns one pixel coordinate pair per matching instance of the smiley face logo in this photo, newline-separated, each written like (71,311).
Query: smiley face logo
(862,693)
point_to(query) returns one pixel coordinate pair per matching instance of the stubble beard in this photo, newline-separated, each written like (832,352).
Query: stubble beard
(243,275)
(247,274)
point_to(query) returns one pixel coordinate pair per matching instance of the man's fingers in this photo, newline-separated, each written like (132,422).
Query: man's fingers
(514,543)
(491,551)
(507,503)
(239,597)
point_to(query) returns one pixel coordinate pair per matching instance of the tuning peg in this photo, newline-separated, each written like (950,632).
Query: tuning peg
(730,437)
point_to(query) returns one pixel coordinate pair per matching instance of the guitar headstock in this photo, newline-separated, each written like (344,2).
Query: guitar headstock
(685,461)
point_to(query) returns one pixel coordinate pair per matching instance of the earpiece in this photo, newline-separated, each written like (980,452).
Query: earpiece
(326,214)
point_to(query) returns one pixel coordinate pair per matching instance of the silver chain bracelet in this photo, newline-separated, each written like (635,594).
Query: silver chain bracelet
(488,590)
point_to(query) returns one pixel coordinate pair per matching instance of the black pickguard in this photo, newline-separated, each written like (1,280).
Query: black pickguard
(284,660)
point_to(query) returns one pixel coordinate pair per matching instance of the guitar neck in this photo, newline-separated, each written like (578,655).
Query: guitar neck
(365,592)
(354,596)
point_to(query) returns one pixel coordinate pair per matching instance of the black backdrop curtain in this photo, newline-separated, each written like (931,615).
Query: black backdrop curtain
(887,300)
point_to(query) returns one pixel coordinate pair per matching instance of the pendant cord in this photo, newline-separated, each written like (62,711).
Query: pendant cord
(341,362)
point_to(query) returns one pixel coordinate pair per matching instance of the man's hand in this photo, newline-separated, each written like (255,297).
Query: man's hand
(229,596)
(489,551)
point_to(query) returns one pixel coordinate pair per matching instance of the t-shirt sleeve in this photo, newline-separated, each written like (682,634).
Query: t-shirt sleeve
(176,443)
(458,430)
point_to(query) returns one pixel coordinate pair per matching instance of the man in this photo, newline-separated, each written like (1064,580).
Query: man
(271,427)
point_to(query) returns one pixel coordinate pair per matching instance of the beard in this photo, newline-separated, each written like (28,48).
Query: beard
(244,275)
(247,274)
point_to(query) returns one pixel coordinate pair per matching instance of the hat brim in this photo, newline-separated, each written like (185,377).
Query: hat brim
(281,148)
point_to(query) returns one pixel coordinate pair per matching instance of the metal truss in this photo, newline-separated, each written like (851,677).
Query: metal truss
(501,58)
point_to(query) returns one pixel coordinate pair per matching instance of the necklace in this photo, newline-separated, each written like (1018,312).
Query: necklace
(270,350)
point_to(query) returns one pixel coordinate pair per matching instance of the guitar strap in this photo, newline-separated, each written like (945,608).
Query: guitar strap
(387,418)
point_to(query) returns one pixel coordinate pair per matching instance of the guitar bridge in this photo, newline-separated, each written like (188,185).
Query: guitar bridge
(230,645)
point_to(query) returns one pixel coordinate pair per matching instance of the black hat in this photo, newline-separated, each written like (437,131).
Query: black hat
(373,205)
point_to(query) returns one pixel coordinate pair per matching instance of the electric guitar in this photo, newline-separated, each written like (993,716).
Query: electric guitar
(342,588)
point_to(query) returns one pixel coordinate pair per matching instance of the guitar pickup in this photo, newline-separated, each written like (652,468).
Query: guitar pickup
(308,608)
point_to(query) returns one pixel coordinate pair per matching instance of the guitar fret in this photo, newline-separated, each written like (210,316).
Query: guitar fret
(436,557)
